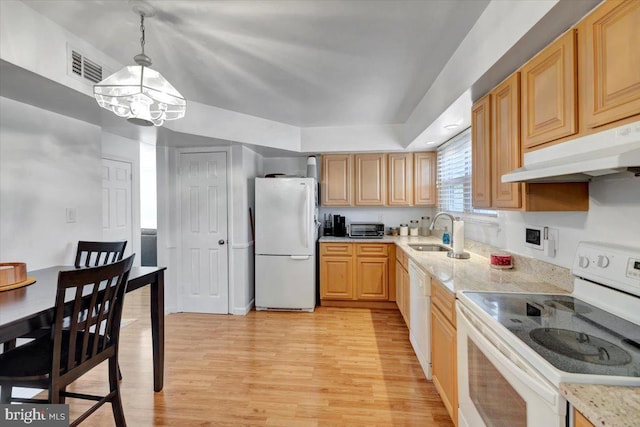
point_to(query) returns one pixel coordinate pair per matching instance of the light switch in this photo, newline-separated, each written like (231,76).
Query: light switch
(71,214)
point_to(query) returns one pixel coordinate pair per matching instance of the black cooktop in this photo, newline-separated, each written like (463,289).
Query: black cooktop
(572,335)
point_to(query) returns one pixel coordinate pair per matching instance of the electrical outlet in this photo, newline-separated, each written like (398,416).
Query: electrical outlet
(551,242)
(71,215)
(380,218)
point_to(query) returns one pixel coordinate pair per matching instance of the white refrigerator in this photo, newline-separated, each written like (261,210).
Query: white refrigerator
(285,243)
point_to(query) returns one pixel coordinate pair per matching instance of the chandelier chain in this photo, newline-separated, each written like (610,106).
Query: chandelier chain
(142,41)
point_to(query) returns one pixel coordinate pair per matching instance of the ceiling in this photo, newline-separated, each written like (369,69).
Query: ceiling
(305,63)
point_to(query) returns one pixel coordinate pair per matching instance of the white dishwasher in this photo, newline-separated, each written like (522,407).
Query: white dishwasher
(420,316)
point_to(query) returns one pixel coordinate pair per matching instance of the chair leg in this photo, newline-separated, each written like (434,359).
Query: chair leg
(114,385)
(5,390)
(119,373)
(5,394)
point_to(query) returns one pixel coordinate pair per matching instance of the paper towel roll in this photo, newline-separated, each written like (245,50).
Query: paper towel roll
(458,236)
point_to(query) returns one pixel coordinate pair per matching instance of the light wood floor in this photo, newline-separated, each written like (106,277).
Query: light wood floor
(334,367)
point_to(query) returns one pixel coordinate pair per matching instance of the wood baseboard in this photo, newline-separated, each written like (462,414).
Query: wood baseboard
(388,305)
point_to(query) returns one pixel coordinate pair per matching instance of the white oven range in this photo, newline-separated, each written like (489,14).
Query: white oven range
(515,349)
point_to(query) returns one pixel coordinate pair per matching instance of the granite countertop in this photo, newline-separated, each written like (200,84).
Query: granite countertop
(605,405)
(473,274)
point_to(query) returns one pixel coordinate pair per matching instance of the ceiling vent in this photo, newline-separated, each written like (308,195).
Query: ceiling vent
(82,67)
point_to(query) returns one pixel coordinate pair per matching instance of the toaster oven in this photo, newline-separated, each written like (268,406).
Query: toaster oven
(366,230)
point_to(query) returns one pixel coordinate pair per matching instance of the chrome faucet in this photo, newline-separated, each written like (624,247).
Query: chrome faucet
(450,254)
(435,218)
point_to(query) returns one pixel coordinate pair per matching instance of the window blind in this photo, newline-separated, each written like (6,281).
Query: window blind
(454,176)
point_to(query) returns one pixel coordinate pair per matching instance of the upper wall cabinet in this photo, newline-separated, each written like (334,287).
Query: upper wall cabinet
(549,110)
(400,179)
(505,142)
(371,179)
(337,180)
(610,63)
(481,152)
(425,167)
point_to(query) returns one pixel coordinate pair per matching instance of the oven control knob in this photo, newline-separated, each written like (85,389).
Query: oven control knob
(603,261)
(583,261)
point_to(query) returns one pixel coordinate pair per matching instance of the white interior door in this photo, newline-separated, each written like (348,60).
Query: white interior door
(203,228)
(116,202)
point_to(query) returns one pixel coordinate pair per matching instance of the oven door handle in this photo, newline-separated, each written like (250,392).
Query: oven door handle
(489,343)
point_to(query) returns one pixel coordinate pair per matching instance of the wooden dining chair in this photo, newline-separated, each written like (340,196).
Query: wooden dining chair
(91,254)
(74,346)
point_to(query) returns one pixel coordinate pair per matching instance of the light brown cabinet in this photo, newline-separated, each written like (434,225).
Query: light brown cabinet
(403,285)
(371,179)
(373,282)
(481,152)
(400,179)
(337,180)
(444,348)
(500,108)
(580,420)
(505,142)
(610,63)
(357,274)
(336,271)
(549,89)
(425,172)
(379,179)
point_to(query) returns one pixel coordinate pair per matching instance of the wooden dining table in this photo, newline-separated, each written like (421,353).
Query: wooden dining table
(31,307)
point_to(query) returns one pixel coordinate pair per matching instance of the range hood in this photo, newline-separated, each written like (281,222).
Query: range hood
(611,151)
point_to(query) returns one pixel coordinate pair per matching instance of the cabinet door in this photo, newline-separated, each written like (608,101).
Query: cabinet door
(399,288)
(444,360)
(549,109)
(481,152)
(372,278)
(371,179)
(505,142)
(400,179)
(425,165)
(406,297)
(580,420)
(337,178)
(610,65)
(336,278)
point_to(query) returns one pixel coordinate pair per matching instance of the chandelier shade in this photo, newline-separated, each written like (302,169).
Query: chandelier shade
(138,93)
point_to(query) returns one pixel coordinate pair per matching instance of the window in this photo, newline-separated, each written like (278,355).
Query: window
(454,176)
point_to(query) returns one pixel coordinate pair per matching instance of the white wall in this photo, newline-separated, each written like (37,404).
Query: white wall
(48,162)
(613,217)
(285,165)
(246,166)
(148,190)
(390,216)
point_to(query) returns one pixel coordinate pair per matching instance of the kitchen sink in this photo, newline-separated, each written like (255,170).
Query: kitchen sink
(430,247)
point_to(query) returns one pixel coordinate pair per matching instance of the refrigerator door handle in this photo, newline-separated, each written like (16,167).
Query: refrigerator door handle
(307,201)
(300,257)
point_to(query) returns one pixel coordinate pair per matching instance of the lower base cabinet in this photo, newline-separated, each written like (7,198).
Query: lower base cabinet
(444,348)
(357,274)
(403,284)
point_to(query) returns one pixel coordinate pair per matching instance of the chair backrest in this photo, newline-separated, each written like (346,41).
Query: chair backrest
(86,329)
(91,254)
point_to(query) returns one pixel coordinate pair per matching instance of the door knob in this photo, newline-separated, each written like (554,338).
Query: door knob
(221,242)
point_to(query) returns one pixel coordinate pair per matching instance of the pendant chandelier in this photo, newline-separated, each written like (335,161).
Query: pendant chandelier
(138,93)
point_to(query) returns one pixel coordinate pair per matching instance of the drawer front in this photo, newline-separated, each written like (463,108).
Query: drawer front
(444,300)
(372,249)
(336,249)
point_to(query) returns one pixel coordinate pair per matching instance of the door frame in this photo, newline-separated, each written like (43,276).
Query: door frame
(136,239)
(178,208)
